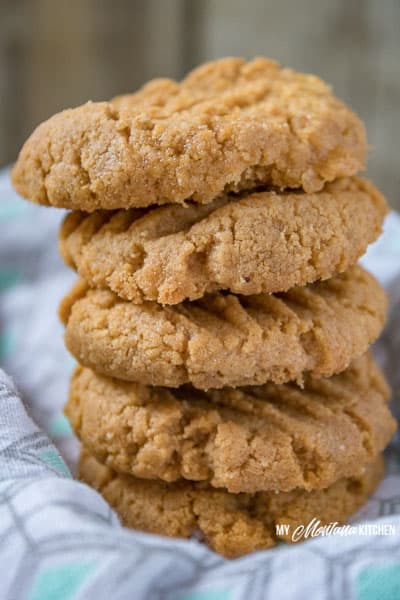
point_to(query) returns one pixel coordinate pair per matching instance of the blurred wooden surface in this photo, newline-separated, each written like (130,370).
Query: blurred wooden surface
(59,54)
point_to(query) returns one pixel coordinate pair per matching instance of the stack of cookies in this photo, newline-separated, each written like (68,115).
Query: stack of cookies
(220,320)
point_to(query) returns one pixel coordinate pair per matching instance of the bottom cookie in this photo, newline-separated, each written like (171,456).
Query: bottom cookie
(231,524)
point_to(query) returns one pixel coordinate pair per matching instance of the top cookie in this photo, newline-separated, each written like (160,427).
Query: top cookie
(229,125)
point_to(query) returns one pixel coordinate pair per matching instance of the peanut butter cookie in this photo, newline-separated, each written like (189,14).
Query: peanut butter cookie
(226,340)
(229,125)
(274,437)
(231,524)
(261,243)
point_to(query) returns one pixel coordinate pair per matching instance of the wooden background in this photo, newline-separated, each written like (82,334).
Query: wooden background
(60,53)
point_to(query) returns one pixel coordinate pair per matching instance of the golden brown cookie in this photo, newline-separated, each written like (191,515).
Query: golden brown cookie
(228,125)
(261,243)
(226,340)
(274,437)
(231,524)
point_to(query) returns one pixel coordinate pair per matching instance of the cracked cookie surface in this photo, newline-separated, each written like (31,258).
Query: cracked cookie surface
(231,524)
(226,340)
(261,243)
(272,437)
(229,125)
